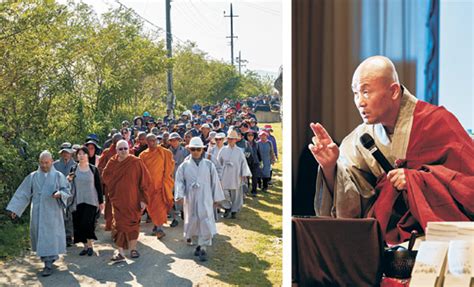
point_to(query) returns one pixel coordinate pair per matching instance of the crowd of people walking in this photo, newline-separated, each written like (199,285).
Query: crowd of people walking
(195,168)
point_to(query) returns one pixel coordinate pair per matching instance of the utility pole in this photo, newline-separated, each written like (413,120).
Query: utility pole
(240,61)
(170,99)
(231,33)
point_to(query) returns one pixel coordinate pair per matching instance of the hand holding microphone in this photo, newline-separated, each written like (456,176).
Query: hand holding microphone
(395,176)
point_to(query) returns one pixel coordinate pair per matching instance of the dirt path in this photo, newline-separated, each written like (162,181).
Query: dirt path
(169,262)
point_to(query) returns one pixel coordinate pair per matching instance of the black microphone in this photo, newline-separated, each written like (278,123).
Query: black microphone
(369,143)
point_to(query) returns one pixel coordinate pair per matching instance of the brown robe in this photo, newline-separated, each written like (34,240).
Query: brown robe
(159,162)
(128,183)
(107,154)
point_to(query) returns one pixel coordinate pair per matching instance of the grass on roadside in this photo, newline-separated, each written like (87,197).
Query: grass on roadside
(14,238)
(248,250)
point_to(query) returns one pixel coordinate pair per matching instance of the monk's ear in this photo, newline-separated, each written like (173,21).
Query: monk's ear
(395,91)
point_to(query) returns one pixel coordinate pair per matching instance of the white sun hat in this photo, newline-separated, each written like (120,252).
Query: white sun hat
(196,142)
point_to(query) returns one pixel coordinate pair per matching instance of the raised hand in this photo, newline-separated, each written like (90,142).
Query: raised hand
(324,150)
(326,153)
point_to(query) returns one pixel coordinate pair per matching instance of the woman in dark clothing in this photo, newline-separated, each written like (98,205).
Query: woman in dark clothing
(253,160)
(92,152)
(87,201)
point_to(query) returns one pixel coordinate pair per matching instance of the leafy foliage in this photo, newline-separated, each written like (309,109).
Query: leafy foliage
(66,72)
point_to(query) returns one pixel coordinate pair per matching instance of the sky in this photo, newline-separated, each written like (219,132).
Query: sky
(258,27)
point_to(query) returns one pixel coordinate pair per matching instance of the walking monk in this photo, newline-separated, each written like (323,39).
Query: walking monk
(104,159)
(127,181)
(159,162)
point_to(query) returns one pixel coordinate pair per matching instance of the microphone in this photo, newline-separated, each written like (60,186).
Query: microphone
(369,143)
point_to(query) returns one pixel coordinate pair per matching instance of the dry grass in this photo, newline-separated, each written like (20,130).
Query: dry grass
(248,250)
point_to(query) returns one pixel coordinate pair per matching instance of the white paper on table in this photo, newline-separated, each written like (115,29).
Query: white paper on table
(430,263)
(459,269)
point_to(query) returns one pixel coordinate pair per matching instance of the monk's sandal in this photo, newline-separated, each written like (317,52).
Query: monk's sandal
(134,254)
(117,258)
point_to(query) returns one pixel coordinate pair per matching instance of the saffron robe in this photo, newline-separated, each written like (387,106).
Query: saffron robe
(160,164)
(107,154)
(438,157)
(48,237)
(128,183)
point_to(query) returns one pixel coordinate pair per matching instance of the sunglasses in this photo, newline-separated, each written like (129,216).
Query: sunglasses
(122,148)
(218,139)
(195,149)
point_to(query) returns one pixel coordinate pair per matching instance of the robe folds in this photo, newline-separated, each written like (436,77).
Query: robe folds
(438,160)
(160,164)
(233,167)
(439,169)
(200,188)
(107,154)
(48,237)
(128,183)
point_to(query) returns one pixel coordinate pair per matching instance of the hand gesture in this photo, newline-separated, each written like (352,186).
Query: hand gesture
(397,178)
(57,194)
(101,208)
(13,215)
(324,150)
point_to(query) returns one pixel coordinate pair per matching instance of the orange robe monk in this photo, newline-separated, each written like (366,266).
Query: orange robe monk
(128,184)
(159,162)
(107,154)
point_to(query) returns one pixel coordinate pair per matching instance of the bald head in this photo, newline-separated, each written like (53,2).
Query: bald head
(45,161)
(377,68)
(151,140)
(122,149)
(377,92)
(45,155)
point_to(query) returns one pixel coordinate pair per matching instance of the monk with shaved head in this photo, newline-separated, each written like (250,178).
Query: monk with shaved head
(127,181)
(159,161)
(425,144)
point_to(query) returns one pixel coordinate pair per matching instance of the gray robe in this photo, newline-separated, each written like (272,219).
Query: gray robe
(47,233)
(234,166)
(212,154)
(357,170)
(179,155)
(265,149)
(200,188)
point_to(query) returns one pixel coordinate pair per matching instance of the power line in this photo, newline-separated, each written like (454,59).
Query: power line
(160,29)
(205,20)
(194,23)
(263,9)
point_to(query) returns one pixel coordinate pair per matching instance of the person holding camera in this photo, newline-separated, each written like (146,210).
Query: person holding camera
(87,201)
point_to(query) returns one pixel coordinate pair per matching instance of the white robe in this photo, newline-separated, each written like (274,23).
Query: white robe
(199,187)
(212,154)
(234,167)
(48,237)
